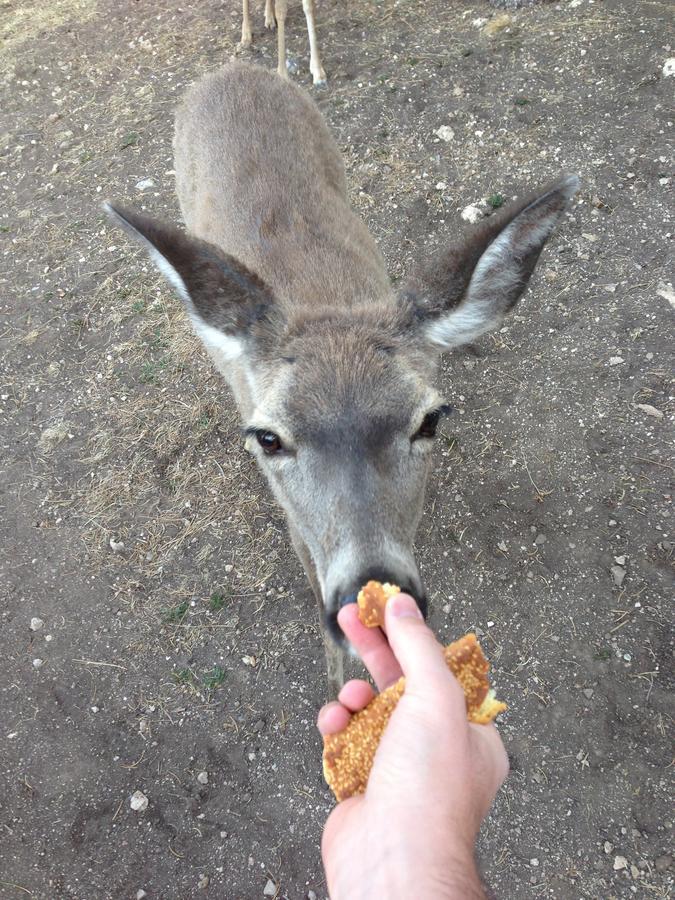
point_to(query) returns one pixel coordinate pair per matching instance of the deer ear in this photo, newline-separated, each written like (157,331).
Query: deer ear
(469,288)
(228,304)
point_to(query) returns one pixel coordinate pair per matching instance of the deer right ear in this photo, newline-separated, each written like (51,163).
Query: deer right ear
(228,304)
(469,288)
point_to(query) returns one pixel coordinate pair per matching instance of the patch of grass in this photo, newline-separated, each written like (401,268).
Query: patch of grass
(86,155)
(4,229)
(450,440)
(204,421)
(214,678)
(138,306)
(177,613)
(495,200)
(217,601)
(130,140)
(183,676)
(603,654)
(152,369)
(521,101)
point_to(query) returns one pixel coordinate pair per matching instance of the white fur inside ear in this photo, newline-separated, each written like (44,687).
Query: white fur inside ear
(224,348)
(461,326)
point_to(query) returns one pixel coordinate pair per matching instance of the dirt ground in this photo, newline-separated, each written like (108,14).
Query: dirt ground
(178,651)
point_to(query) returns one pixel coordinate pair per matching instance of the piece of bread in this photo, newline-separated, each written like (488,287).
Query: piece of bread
(348,755)
(372,599)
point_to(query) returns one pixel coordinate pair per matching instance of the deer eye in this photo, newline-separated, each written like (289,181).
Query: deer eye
(269,441)
(429,425)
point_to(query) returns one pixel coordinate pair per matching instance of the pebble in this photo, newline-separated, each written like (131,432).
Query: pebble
(145,184)
(203,778)
(668,69)
(203,882)
(616,360)
(620,560)
(311,895)
(38,663)
(228,568)
(663,863)
(36,624)
(618,575)
(634,871)
(445,133)
(540,539)
(270,889)
(608,847)
(534,862)
(472,214)
(620,862)
(140,894)
(649,410)
(138,801)
(502,546)
(588,693)
(116,546)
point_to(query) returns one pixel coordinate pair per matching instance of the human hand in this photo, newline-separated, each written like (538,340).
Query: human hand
(434,778)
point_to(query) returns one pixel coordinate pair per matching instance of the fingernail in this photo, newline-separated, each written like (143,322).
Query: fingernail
(403,606)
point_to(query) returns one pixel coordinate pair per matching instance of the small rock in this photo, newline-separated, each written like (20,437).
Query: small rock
(588,693)
(668,69)
(38,663)
(472,214)
(666,291)
(270,889)
(140,894)
(502,546)
(145,184)
(249,661)
(116,546)
(608,847)
(618,575)
(620,862)
(138,801)
(663,863)
(441,186)
(616,360)
(228,568)
(649,410)
(36,624)
(203,882)
(540,539)
(534,862)
(634,871)
(203,778)
(311,895)
(610,288)
(445,133)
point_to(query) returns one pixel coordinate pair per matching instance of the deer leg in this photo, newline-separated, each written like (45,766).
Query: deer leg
(334,655)
(280,8)
(315,66)
(246,35)
(270,21)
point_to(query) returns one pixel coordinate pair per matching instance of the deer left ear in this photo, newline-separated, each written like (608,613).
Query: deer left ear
(470,288)
(229,305)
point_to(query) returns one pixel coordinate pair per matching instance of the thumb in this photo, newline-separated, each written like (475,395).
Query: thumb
(415,647)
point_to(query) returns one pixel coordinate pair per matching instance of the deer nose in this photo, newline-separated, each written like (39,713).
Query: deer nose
(350,598)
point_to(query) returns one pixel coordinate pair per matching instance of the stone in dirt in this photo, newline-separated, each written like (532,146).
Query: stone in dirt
(138,801)
(270,889)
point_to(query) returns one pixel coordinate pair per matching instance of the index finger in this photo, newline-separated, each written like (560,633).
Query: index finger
(372,646)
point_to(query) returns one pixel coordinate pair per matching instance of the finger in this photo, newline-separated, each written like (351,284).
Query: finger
(415,647)
(371,645)
(333,717)
(356,694)
(496,758)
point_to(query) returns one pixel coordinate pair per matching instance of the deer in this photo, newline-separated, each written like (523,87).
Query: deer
(333,370)
(275,14)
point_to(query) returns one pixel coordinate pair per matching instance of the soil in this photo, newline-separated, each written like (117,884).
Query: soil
(178,634)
